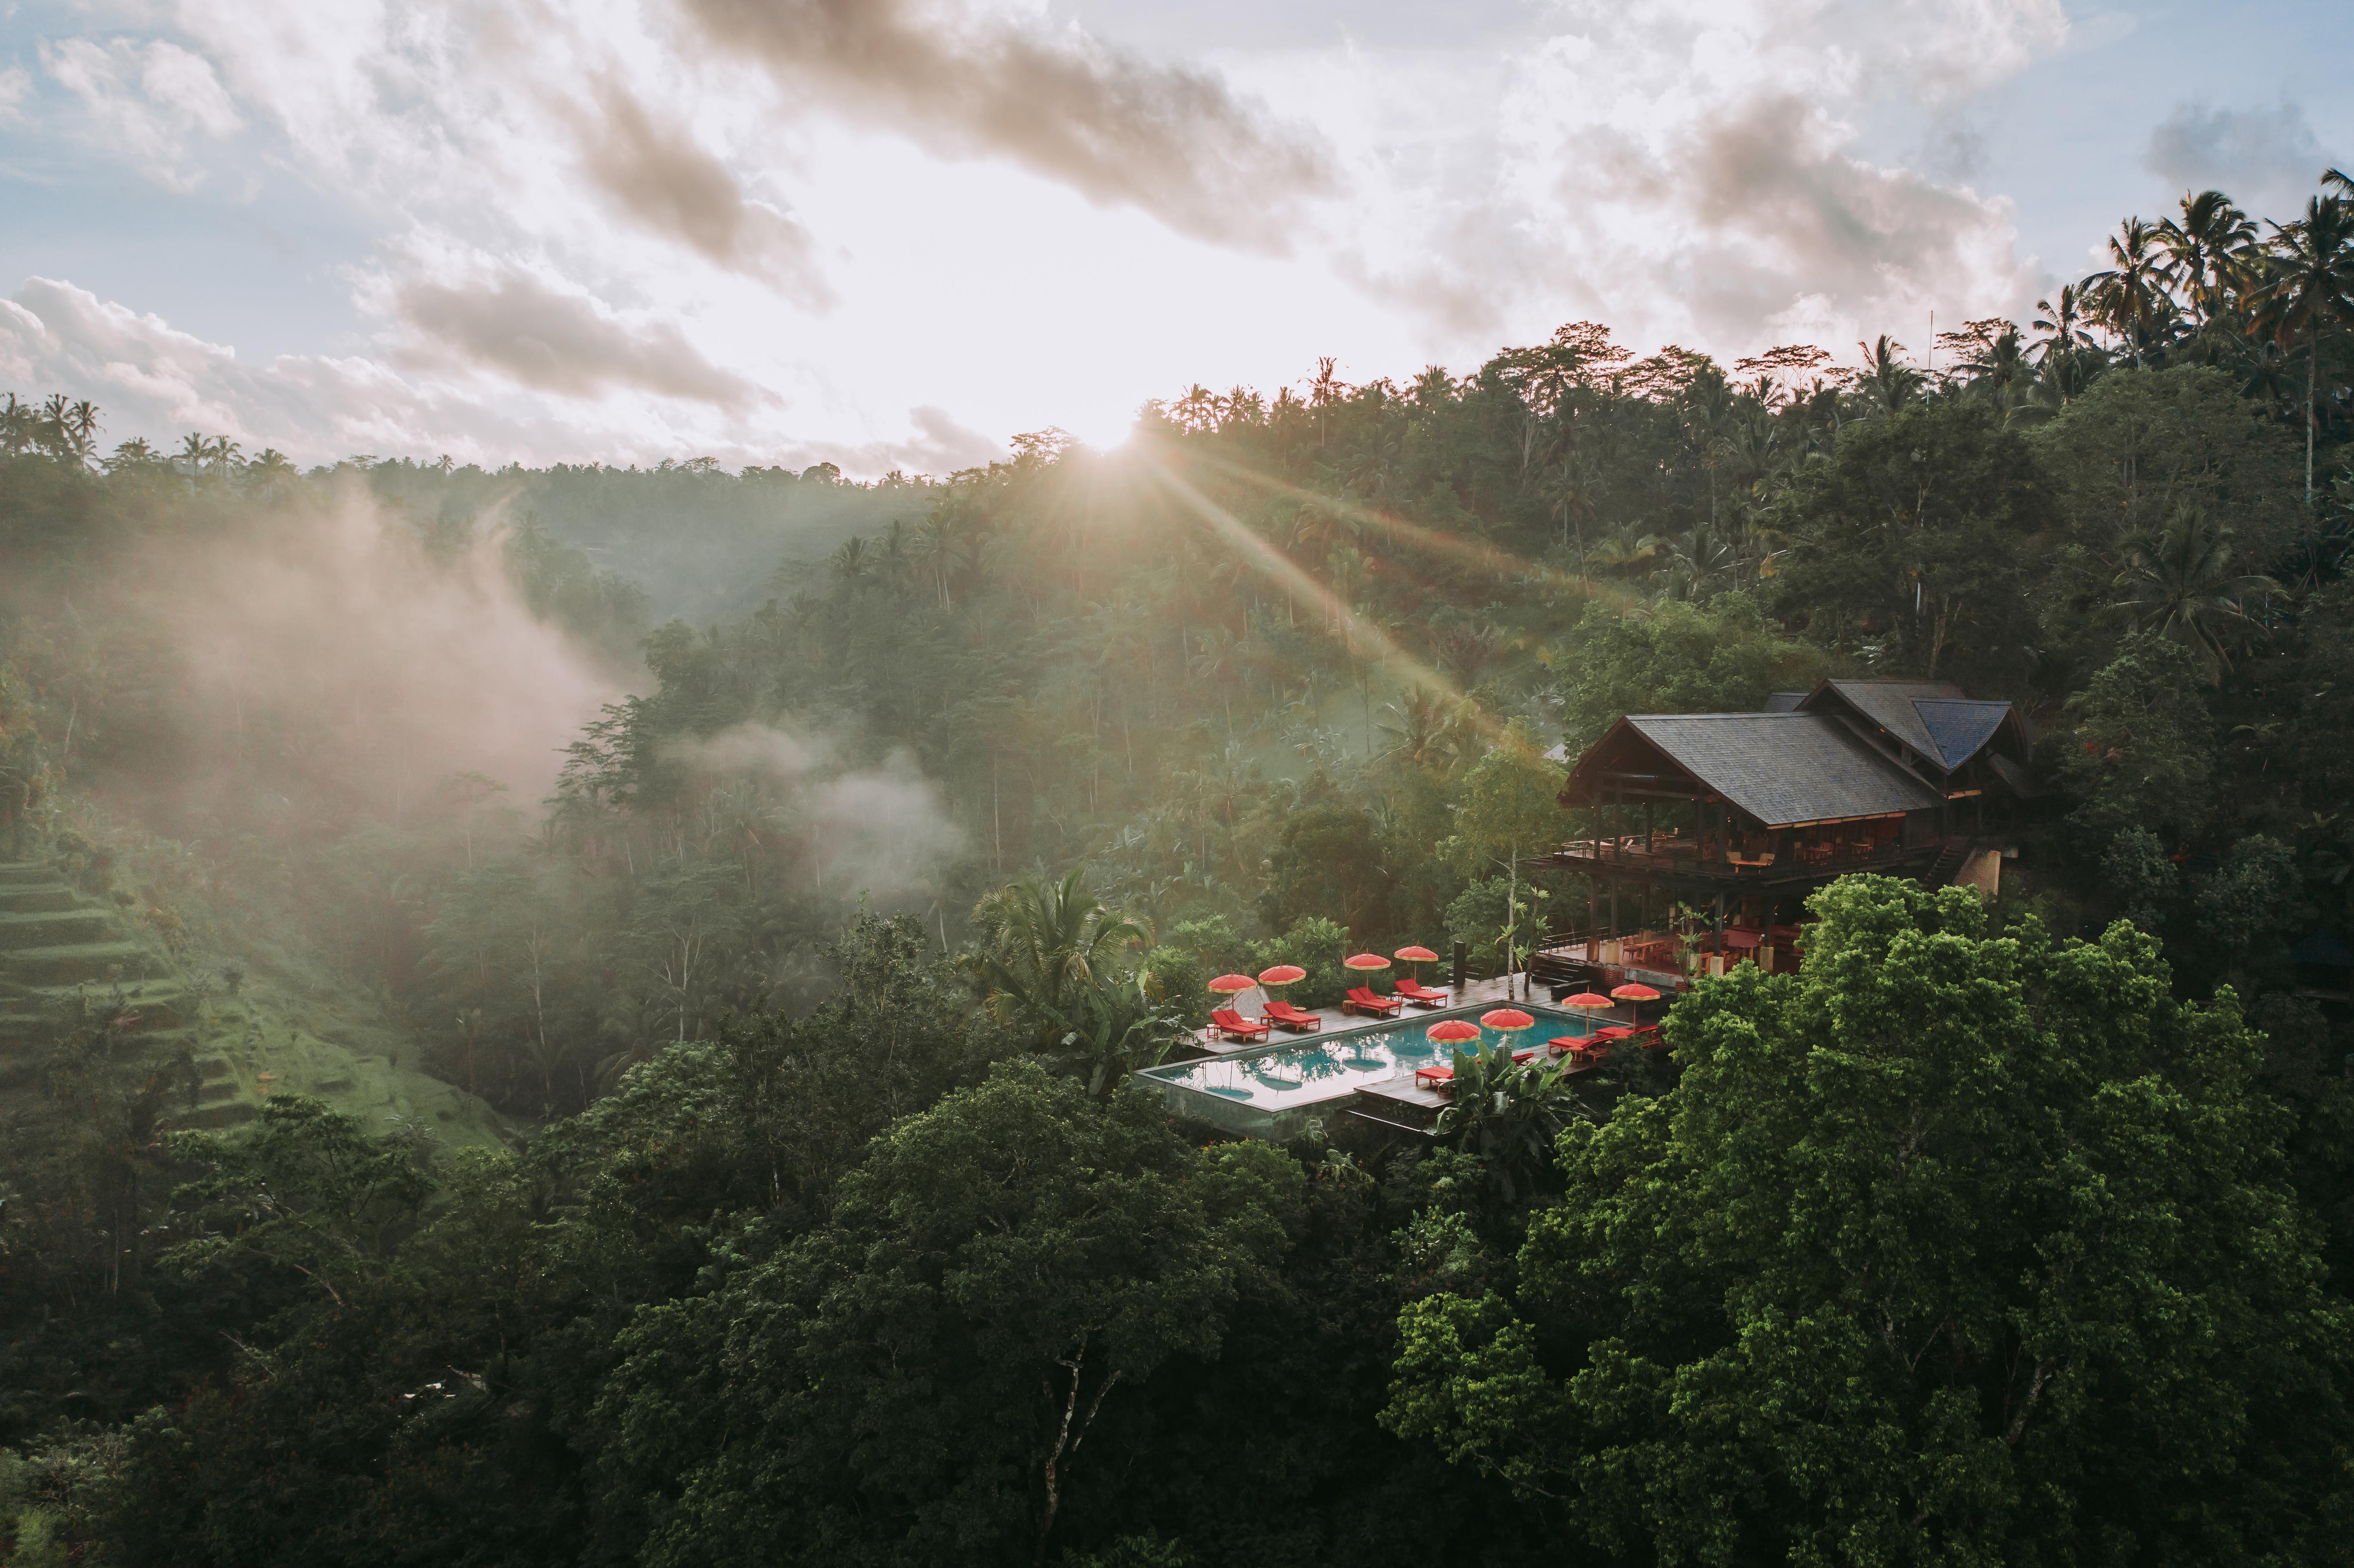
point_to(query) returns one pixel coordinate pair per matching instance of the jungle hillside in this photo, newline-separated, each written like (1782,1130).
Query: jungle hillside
(588,1014)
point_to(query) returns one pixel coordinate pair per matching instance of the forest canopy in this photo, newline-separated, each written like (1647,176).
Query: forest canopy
(589,1015)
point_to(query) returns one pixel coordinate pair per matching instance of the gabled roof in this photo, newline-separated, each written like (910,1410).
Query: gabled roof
(1958,728)
(1785,767)
(1937,721)
(1888,704)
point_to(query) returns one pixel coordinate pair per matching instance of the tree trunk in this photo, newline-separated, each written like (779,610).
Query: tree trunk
(2312,369)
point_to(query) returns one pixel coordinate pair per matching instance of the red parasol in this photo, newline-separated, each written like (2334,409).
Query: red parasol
(1452,1031)
(1635,993)
(1365,961)
(1507,1020)
(1232,985)
(1586,1001)
(1282,974)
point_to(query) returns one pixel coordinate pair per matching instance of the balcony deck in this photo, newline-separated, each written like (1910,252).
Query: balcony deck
(1669,858)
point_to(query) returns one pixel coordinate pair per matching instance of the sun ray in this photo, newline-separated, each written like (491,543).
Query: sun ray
(1357,630)
(1475,553)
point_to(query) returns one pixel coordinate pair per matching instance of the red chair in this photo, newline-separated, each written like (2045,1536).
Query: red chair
(1232,1025)
(1421,995)
(1440,1079)
(1361,999)
(1283,1015)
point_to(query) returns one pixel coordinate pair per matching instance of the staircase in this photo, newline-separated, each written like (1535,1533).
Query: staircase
(1942,870)
(1555,970)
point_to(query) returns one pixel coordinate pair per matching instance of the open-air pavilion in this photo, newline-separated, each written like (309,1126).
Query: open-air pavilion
(1743,815)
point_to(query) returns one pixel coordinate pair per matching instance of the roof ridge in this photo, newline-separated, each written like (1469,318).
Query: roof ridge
(1731,714)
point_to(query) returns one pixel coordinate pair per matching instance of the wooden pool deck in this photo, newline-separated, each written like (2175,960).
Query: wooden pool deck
(1253,1003)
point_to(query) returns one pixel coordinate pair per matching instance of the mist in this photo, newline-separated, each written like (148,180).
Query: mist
(881,832)
(333,665)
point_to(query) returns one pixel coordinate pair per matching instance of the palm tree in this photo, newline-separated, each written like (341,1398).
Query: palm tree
(2204,249)
(853,559)
(1046,950)
(78,425)
(132,453)
(2182,582)
(1428,729)
(270,469)
(1217,660)
(1698,564)
(2061,324)
(932,549)
(2130,296)
(1886,382)
(1507,1113)
(2309,289)
(2060,379)
(1466,644)
(1630,545)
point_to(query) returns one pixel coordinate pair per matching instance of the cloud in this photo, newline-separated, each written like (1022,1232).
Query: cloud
(1173,142)
(518,326)
(1780,210)
(2262,156)
(1686,173)
(16,82)
(146,101)
(939,445)
(658,176)
(152,379)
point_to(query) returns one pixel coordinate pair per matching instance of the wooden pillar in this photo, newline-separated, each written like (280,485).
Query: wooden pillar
(1593,924)
(1719,923)
(1648,819)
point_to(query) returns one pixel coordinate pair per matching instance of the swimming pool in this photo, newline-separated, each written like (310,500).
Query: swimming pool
(1274,1092)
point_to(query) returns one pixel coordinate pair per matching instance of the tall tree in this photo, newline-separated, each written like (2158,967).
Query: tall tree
(2205,249)
(2308,293)
(1959,1240)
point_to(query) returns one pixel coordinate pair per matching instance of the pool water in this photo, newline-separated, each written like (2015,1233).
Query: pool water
(1266,1093)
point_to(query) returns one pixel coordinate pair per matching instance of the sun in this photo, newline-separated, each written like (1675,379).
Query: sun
(1107,431)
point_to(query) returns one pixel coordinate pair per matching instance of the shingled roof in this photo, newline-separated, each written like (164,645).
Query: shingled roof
(1960,728)
(1934,720)
(1786,767)
(1890,705)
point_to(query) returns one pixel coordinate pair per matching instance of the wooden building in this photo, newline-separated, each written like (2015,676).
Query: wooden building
(1743,815)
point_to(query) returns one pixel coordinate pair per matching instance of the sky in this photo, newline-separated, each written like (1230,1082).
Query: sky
(895,233)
